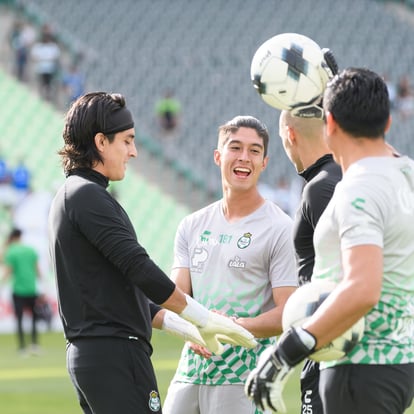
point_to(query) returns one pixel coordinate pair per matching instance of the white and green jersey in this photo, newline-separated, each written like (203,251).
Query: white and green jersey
(374,204)
(234,267)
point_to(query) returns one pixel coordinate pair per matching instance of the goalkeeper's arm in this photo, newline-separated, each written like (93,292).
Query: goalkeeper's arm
(213,327)
(173,324)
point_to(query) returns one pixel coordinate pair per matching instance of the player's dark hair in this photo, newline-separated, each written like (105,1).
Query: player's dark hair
(14,234)
(358,100)
(86,117)
(245,121)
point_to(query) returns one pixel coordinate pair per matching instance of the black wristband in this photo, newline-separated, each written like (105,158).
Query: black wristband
(291,348)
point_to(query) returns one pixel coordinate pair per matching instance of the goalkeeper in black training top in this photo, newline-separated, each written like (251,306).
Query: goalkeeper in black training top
(301,132)
(109,290)
(304,143)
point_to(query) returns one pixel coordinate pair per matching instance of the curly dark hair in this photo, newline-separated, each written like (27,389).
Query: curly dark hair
(85,118)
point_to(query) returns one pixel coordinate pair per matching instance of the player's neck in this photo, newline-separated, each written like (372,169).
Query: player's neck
(312,153)
(359,148)
(237,205)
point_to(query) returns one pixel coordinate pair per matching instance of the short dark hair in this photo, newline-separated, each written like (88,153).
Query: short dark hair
(245,121)
(14,234)
(86,117)
(359,102)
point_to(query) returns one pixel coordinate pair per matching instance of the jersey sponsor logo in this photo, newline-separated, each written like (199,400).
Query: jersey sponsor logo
(237,263)
(206,238)
(199,257)
(154,402)
(244,241)
(357,203)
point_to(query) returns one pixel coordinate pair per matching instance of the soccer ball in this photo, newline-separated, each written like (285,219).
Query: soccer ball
(303,303)
(287,71)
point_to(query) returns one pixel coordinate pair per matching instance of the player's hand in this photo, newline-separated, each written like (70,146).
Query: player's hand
(329,66)
(266,382)
(327,70)
(177,326)
(216,329)
(200,350)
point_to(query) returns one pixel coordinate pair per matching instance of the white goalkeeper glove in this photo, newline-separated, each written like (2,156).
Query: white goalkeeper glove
(177,326)
(266,382)
(327,70)
(215,328)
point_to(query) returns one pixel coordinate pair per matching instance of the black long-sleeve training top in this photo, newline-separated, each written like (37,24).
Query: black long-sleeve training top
(104,276)
(321,179)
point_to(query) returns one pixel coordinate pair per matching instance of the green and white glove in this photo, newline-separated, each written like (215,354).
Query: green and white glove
(177,326)
(266,382)
(216,329)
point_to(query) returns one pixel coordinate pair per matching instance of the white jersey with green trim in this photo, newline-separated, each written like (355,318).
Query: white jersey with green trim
(374,205)
(234,267)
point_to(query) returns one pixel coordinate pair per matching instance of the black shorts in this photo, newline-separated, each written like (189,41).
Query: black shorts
(113,375)
(363,389)
(309,387)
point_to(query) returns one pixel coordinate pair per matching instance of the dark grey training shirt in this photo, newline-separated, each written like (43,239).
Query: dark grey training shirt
(321,179)
(104,276)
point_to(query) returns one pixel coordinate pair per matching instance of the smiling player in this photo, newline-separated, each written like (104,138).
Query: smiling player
(235,256)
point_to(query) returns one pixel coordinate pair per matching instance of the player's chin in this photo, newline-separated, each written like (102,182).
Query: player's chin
(118,176)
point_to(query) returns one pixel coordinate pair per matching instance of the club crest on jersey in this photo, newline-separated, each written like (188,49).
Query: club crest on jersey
(244,240)
(154,402)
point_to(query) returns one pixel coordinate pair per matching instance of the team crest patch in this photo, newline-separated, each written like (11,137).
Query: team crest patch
(244,240)
(154,402)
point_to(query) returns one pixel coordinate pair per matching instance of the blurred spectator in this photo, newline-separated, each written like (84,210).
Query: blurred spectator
(281,194)
(168,110)
(35,204)
(405,98)
(21,39)
(22,268)
(46,56)
(7,193)
(392,91)
(21,180)
(73,83)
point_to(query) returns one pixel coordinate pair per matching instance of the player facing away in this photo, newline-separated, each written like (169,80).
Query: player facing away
(304,144)
(364,240)
(109,290)
(235,256)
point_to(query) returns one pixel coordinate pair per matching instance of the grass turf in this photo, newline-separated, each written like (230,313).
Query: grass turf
(41,385)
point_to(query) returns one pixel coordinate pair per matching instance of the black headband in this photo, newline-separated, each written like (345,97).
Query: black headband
(118,121)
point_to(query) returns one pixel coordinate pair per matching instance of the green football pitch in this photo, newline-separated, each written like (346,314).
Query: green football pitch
(41,385)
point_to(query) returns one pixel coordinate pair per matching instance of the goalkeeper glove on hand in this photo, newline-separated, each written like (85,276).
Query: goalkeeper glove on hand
(266,382)
(177,326)
(215,328)
(327,70)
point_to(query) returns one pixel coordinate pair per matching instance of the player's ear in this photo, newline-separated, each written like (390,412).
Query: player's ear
(100,141)
(330,124)
(217,157)
(265,161)
(291,135)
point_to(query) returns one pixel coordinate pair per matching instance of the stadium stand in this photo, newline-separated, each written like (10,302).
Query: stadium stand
(202,50)
(31,129)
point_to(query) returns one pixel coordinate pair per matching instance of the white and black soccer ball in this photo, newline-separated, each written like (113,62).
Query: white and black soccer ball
(287,70)
(303,303)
